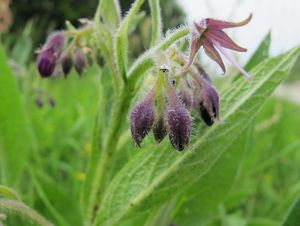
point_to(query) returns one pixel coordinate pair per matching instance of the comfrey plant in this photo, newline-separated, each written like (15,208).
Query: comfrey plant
(181,83)
(164,100)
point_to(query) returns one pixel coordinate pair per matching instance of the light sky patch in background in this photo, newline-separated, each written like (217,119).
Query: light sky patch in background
(282,17)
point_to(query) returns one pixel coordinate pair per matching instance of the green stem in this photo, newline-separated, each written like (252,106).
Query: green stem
(97,145)
(156,22)
(107,158)
(19,208)
(147,60)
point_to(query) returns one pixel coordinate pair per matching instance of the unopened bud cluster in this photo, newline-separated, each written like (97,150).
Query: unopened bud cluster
(58,54)
(167,107)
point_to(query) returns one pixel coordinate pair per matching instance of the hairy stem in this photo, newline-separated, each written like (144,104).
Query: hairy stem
(11,206)
(156,22)
(105,163)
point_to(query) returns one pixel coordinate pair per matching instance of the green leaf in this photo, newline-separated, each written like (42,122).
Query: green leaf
(293,217)
(204,197)
(15,134)
(111,12)
(261,53)
(155,176)
(121,39)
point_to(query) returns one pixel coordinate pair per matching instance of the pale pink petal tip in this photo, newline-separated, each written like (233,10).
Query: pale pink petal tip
(234,62)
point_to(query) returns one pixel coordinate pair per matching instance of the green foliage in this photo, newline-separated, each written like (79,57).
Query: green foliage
(75,163)
(294,215)
(141,184)
(15,133)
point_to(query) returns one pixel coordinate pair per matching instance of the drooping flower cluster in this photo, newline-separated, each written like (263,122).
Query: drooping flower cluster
(163,112)
(167,107)
(57,54)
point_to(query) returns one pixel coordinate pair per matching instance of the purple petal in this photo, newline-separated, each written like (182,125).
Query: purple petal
(194,48)
(224,40)
(213,53)
(221,24)
(233,61)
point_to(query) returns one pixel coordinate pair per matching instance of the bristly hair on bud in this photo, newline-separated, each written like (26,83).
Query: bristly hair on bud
(49,54)
(209,104)
(209,34)
(159,129)
(179,121)
(142,119)
(80,61)
(185,95)
(66,64)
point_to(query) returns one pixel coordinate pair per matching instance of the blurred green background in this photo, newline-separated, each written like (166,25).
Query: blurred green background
(268,177)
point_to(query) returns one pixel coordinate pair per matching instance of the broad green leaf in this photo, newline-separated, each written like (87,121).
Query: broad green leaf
(111,12)
(15,135)
(293,217)
(261,53)
(155,176)
(262,222)
(204,196)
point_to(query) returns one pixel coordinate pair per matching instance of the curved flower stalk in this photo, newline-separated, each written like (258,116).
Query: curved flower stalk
(57,54)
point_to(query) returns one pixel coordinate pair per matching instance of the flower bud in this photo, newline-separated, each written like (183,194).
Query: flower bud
(66,64)
(39,102)
(80,61)
(52,102)
(159,130)
(186,98)
(209,104)
(179,123)
(46,63)
(50,53)
(141,120)
(55,43)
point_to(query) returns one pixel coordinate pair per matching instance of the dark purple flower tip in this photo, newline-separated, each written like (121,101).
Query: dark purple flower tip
(209,104)
(46,63)
(66,64)
(80,61)
(179,123)
(52,102)
(159,129)
(141,120)
(39,102)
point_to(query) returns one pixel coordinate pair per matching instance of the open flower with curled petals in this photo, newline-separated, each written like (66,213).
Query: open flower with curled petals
(209,34)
